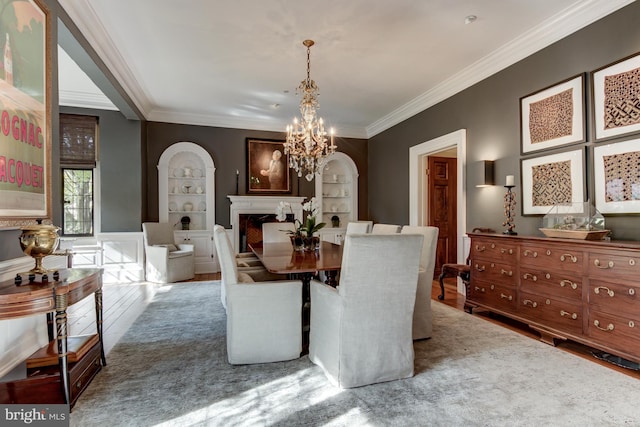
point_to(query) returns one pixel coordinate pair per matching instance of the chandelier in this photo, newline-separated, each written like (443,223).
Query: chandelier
(306,141)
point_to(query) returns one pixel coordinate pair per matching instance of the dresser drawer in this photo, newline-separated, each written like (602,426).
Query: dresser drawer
(614,297)
(557,314)
(621,265)
(499,273)
(619,332)
(555,284)
(494,295)
(494,250)
(551,257)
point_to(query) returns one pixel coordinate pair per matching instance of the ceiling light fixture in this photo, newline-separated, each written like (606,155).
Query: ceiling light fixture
(306,141)
(469,19)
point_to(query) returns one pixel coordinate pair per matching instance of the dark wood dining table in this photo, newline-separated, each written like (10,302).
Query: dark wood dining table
(281,258)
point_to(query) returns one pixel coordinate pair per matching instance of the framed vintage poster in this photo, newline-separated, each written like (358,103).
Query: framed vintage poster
(268,167)
(617,177)
(554,116)
(25,118)
(551,180)
(616,98)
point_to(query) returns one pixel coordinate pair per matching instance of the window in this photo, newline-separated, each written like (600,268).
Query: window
(78,147)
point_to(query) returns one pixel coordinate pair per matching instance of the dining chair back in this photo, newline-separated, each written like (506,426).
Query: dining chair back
(359,227)
(422,317)
(361,331)
(385,229)
(273,232)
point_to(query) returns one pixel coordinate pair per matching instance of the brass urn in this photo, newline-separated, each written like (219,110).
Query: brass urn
(38,241)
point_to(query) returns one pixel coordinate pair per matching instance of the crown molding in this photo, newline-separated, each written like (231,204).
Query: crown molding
(573,18)
(70,98)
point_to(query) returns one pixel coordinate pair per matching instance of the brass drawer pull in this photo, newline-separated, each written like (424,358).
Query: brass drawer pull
(609,327)
(527,276)
(504,251)
(509,297)
(574,316)
(609,291)
(479,268)
(528,252)
(506,273)
(480,248)
(479,289)
(597,263)
(571,257)
(566,282)
(528,301)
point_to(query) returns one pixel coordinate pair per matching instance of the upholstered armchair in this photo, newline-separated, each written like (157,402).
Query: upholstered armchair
(385,229)
(166,261)
(422,318)
(361,331)
(264,319)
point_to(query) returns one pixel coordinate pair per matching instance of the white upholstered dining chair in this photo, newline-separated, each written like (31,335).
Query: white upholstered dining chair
(166,261)
(359,227)
(264,319)
(422,317)
(385,229)
(361,331)
(273,232)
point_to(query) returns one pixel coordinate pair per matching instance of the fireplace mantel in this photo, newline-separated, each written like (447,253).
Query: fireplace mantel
(259,205)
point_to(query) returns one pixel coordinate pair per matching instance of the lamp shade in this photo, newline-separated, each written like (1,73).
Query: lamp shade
(485,176)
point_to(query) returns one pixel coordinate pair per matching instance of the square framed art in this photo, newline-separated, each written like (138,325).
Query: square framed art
(551,180)
(617,177)
(616,98)
(554,116)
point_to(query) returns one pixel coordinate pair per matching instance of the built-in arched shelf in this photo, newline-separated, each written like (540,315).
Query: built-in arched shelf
(337,195)
(186,189)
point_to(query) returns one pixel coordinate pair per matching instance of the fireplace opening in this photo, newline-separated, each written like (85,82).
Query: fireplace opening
(250,228)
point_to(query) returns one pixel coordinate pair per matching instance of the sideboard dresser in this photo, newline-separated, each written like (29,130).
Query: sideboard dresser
(585,291)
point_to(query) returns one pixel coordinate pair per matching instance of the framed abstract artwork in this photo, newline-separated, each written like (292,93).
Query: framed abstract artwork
(268,167)
(554,116)
(551,180)
(616,98)
(25,97)
(617,177)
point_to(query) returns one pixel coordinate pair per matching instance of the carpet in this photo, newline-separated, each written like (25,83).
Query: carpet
(170,369)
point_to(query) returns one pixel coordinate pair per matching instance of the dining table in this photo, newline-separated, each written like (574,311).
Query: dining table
(281,258)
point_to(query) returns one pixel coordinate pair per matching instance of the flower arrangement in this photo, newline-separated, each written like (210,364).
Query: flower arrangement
(304,230)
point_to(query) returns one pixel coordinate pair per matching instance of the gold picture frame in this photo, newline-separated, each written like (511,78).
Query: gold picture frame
(25,115)
(267,167)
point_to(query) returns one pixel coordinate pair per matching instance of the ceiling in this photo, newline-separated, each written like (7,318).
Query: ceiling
(237,63)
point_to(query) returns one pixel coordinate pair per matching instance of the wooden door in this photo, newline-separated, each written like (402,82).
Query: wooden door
(442,208)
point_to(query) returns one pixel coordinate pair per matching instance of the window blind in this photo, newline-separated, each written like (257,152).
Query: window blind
(78,140)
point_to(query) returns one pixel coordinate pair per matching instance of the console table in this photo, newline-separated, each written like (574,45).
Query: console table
(586,291)
(47,384)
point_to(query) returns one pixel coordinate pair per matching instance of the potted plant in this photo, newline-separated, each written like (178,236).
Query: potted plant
(303,237)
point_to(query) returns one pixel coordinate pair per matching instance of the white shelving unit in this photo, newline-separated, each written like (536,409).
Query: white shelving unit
(337,194)
(186,188)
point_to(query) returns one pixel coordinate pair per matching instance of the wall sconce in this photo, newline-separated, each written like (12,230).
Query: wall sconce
(485,176)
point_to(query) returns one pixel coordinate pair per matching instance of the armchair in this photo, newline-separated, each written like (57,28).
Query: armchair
(264,319)
(166,261)
(422,318)
(361,331)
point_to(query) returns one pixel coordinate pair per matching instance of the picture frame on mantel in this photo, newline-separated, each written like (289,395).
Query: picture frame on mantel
(616,98)
(554,116)
(616,168)
(267,167)
(552,179)
(25,94)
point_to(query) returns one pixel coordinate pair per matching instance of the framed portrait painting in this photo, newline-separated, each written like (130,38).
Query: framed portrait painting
(616,170)
(554,116)
(616,98)
(25,120)
(551,180)
(268,167)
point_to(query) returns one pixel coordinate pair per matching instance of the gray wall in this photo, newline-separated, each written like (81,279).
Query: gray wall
(120,157)
(490,112)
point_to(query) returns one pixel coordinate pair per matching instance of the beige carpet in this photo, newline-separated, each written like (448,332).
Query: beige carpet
(170,369)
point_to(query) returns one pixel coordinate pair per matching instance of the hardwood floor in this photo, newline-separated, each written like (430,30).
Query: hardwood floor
(123,303)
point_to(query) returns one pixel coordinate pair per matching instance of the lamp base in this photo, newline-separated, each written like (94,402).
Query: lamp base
(510,232)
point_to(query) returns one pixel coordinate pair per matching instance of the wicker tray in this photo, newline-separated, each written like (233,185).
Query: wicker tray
(575,234)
